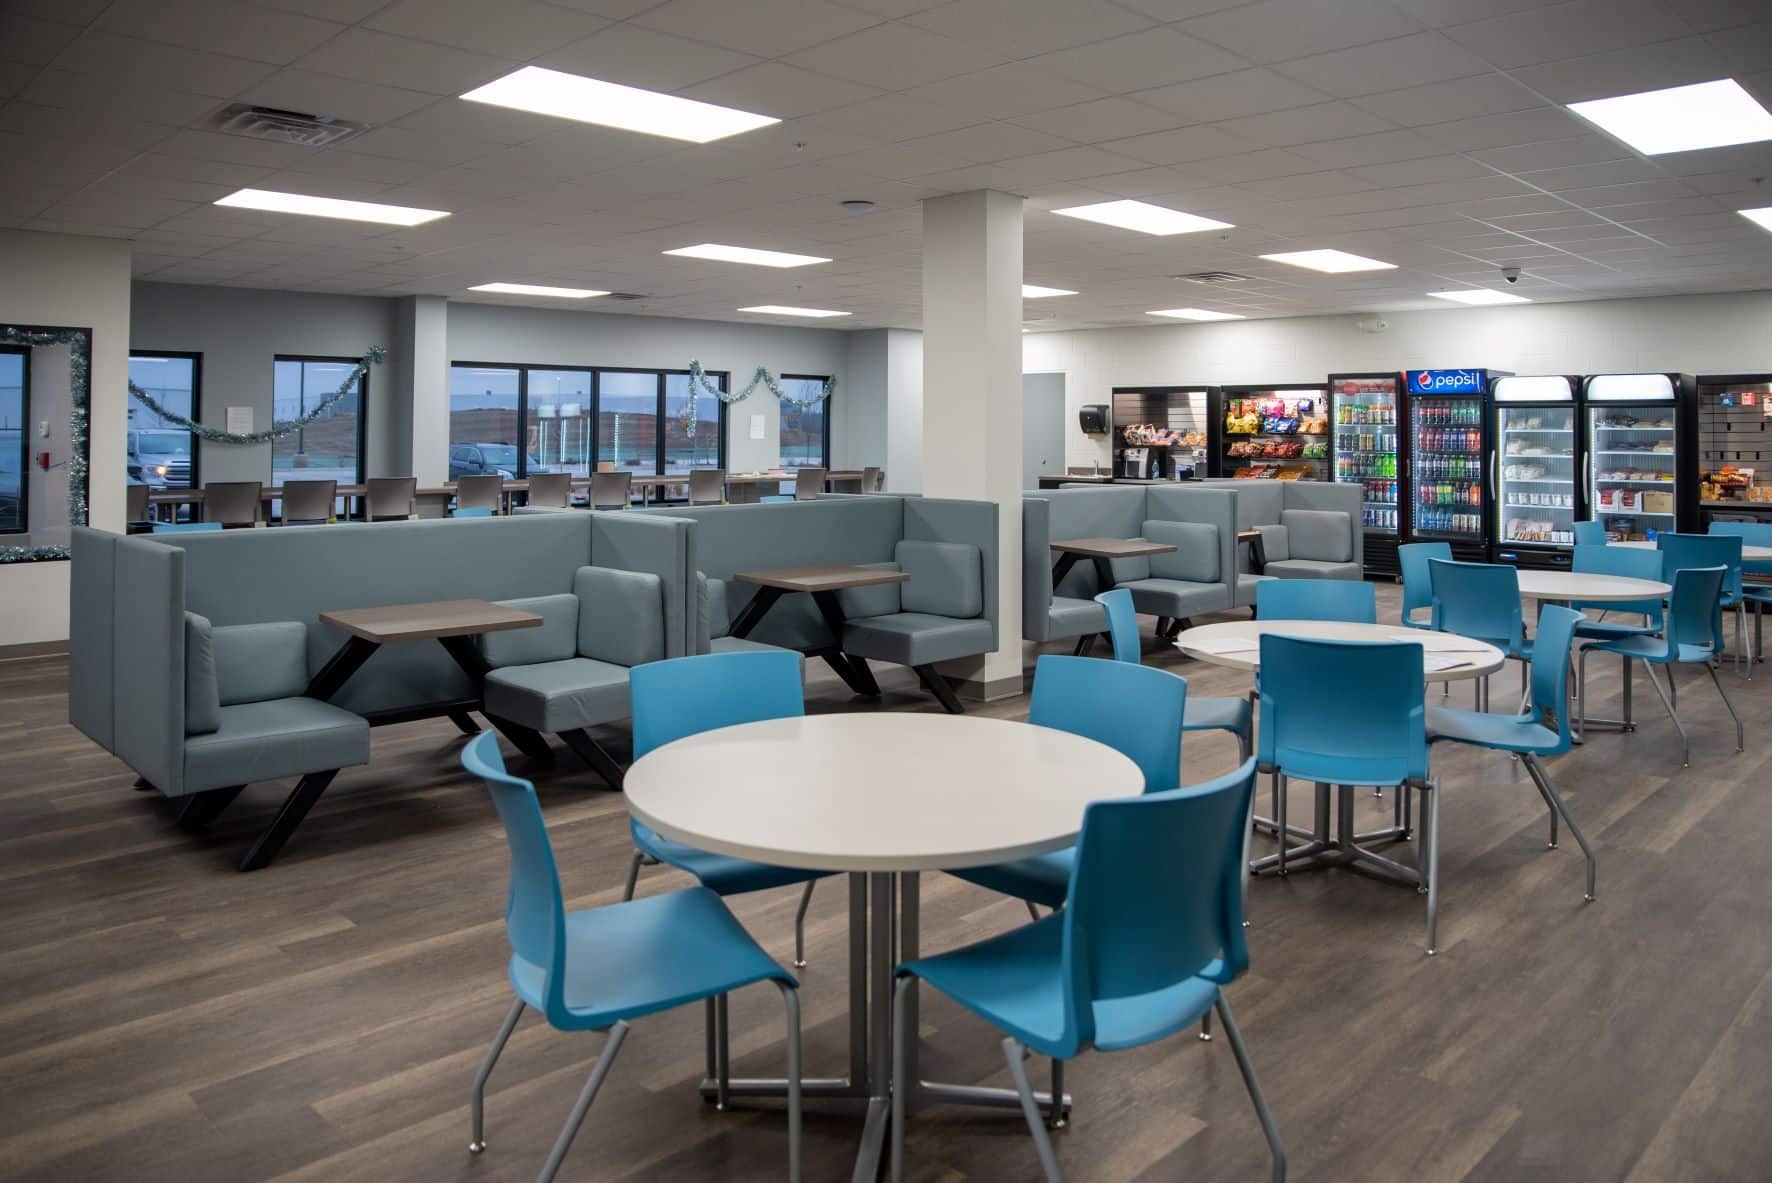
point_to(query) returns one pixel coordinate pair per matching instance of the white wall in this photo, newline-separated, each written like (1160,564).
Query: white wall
(63,281)
(904,411)
(1689,334)
(493,333)
(240,332)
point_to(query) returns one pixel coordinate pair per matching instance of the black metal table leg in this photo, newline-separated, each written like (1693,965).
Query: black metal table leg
(594,754)
(853,671)
(1061,567)
(199,809)
(467,656)
(754,611)
(938,686)
(464,722)
(1104,573)
(265,847)
(339,668)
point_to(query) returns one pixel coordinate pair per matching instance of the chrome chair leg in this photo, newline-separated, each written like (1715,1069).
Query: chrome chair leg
(1685,744)
(1712,670)
(1266,1117)
(634,865)
(477,1106)
(790,998)
(1017,1056)
(1280,817)
(722,1053)
(1430,874)
(1033,912)
(611,1046)
(1541,777)
(1206,1027)
(1056,1117)
(800,925)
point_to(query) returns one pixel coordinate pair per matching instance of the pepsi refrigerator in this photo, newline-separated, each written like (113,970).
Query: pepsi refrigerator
(1535,467)
(1448,442)
(1367,417)
(1641,463)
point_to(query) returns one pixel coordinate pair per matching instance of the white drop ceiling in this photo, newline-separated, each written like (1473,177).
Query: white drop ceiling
(1426,133)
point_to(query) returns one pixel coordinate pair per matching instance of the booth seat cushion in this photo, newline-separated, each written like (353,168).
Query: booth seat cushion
(1178,598)
(1320,535)
(260,662)
(746,645)
(1246,587)
(559,695)
(916,638)
(555,639)
(269,740)
(1313,569)
(1073,618)
(1195,558)
(716,616)
(202,694)
(1129,569)
(946,578)
(620,617)
(882,599)
(1274,542)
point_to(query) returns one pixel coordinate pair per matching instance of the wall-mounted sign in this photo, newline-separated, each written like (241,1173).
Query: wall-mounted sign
(1725,400)
(1749,398)
(239,420)
(1447,381)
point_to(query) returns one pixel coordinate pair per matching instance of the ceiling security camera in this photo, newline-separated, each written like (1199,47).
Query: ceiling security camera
(1511,274)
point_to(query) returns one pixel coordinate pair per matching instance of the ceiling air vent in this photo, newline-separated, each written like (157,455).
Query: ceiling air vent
(1212,277)
(284,127)
(626,296)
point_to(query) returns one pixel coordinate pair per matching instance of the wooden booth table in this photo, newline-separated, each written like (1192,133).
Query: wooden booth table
(453,624)
(822,582)
(1102,551)
(882,797)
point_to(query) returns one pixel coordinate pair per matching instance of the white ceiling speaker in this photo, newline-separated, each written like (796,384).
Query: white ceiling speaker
(859,205)
(1372,324)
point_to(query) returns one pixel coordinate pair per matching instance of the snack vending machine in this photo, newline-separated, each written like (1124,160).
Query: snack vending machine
(1642,453)
(1536,462)
(1448,488)
(1276,432)
(1367,417)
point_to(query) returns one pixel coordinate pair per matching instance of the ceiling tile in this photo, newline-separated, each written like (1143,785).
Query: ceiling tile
(1181,145)
(766,28)
(634,56)
(985,142)
(893,117)
(126,61)
(154,104)
(27,39)
(1424,171)
(1624,71)
(1497,131)
(1023,28)
(1384,65)
(1255,166)
(322,94)
(1003,92)
(386,60)
(1442,102)
(1302,125)
(520,29)
(772,88)
(1378,148)
(1139,61)
(1567,31)
(219,26)
(1583,149)
(1103,119)
(894,56)
(1280,30)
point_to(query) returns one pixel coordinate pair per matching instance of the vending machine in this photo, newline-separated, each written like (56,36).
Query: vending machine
(1642,452)
(1535,467)
(1367,416)
(1448,433)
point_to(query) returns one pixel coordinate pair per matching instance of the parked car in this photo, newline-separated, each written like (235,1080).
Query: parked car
(160,456)
(483,460)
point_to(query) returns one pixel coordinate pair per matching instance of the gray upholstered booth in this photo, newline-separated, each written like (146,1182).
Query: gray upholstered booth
(192,655)
(1195,579)
(1309,530)
(946,610)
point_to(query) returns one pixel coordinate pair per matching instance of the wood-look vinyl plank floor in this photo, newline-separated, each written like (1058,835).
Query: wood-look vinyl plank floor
(164,1017)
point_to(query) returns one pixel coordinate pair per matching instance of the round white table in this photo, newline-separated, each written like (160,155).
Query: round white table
(1214,644)
(1570,586)
(1750,554)
(881,797)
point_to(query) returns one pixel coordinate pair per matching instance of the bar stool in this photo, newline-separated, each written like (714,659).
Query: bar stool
(483,493)
(611,490)
(390,498)
(308,503)
(233,504)
(549,490)
(707,486)
(809,483)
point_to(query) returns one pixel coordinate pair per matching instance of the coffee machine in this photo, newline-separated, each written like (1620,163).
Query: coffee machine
(1133,462)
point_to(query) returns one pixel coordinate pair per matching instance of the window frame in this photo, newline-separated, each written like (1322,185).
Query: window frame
(825,432)
(24,441)
(596,373)
(196,360)
(362,408)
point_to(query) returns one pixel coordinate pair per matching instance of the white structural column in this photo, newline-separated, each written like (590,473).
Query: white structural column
(972,391)
(421,332)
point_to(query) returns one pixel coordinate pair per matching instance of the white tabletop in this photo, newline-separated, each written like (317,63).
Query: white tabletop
(1213,644)
(1751,554)
(877,792)
(1581,585)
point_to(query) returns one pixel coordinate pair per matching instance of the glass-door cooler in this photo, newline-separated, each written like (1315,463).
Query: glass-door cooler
(1366,414)
(1641,458)
(1535,466)
(1448,492)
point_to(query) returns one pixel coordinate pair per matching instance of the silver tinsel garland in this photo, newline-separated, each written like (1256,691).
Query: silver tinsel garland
(216,435)
(79,342)
(699,384)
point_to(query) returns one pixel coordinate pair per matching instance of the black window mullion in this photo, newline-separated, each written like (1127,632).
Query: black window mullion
(658,431)
(522,422)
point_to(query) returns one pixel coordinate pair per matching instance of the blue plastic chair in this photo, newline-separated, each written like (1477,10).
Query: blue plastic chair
(1418,585)
(1152,934)
(1680,551)
(689,695)
(1481,601)
(1370,731)
(1626,562)
(1590,533)
(600,968)
(184,527)
(1693,636)
(1541,731)
(481,512)
(1349,600)
(1235,715)
(1757,595)
(1135,709)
